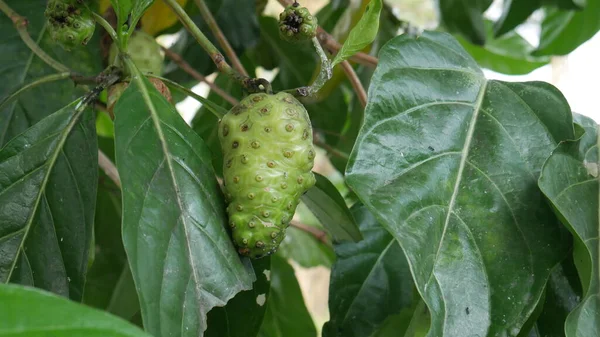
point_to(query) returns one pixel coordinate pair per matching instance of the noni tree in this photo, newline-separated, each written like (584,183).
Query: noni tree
(340,134)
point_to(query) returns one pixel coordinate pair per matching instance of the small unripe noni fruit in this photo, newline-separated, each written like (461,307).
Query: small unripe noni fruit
(70,22)
(268,157)
(144,51)
(116,90)
(297,24)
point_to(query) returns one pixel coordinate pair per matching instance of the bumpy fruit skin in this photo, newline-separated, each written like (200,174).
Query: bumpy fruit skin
(70,22)
(297,24)
(116,90)
(144,51)
(268,157)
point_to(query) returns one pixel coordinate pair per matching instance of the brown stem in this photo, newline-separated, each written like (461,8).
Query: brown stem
(331,150)
(329,43)
(218,33)
(188,69)
(355,81)
(317,233)
(109,168)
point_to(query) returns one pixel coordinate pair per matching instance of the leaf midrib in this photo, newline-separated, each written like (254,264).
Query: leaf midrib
(52,160)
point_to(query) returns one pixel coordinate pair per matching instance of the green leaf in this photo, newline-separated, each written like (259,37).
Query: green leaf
(362,34)
(564,31)
(509,54)
(465,17)
(515,12)
(286,315)
(243,315)
(570,181)
(448,162)
(182,259)
(48,177)
(328,205)
(304,249)
(370,281)
(34,313)
(139,7)
(109,283)
(563,294)
(19,65)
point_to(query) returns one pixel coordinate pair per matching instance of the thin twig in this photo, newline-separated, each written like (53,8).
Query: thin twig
(317,233)
(21,24)
(331,150)
(218,33)
(109,168)
(329,43)
(355,81)
(188,69)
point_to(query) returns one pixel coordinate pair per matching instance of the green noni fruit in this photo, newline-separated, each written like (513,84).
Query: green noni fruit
(144,51)
(70,22)
(268,157)
(297,24)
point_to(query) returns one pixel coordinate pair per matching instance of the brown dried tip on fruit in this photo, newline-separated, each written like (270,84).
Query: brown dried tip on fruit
(297,24)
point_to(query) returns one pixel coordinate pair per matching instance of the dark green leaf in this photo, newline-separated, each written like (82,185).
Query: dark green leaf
(327,204)
(509,54)
(563,293)
(465,17)
(139,7)
(19,65)
(243,315)
(515,12)
(48,180)
(570,181)
(109,283)
(304,249)
(122,9)
(370,281)
(448,162)
(564,31)
(34,313)
(180,253)
(362,34)
(286,313)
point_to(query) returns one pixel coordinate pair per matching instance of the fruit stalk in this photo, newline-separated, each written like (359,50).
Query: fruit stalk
(218,33)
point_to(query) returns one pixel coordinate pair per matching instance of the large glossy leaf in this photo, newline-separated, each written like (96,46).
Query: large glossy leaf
(448,162)
(19,65)
(509,54)
(286,315)
(243,315)
(564,31)
(304,249)
(370,281)
(465,17)
(48,179)
(328,205)
(34,313)
(570,181)
(180,253)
